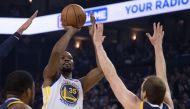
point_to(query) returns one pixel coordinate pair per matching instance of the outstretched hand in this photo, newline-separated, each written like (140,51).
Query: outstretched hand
(93,21)
(27,23)
(98,37)
(156,39)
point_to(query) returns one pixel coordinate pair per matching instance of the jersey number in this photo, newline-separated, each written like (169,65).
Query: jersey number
(72,91)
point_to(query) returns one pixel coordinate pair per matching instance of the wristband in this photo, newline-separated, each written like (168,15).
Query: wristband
(17,35)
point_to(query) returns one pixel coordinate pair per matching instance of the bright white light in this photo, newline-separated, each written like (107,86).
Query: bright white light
(30,1)
(134,37)
(77,44)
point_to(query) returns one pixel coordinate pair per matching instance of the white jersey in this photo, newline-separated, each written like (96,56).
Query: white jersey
(63,94)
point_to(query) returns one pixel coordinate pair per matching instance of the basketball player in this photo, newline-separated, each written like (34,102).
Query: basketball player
(60,91)
(20,91)
(8,44)
(155,92)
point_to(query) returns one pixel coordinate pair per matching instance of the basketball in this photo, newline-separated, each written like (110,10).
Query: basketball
(73,15)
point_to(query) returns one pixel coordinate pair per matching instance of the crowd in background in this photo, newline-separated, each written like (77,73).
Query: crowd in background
(132,66)
(133,62)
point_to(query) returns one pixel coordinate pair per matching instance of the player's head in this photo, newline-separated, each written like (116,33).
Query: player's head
(66,63)
(153,90)
(21,84)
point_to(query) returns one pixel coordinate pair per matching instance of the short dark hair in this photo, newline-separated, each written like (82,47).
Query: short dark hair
(18,82)
(155,89)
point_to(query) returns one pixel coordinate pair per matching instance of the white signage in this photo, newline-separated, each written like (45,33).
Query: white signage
(104,14)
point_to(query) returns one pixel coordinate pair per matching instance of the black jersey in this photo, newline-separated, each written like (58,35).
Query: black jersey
(145,105)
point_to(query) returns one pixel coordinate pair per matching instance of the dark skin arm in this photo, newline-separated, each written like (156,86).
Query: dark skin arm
(95,75)
(50,71)
(91,79)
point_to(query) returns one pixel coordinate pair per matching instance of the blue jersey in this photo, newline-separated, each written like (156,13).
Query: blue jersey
(9,102)
(145,105)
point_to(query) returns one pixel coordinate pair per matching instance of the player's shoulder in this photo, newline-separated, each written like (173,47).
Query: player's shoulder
(136,104)
(166,106)
(19,106)
(75,80)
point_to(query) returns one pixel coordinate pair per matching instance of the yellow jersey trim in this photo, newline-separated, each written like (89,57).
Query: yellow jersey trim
(141,105)
(15,102)
(46,92)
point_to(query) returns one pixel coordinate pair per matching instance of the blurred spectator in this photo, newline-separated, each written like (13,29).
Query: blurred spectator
(133,64)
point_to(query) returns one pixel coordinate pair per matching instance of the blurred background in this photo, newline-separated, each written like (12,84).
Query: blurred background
(126,45)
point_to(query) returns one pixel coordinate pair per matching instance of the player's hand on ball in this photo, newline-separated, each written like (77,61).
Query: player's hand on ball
(71,29)
(156,39)
(98,37)
(27,23)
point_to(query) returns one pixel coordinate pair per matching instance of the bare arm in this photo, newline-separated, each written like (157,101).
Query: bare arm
(91,79)
(125,97)
(27,23)
(95,75)
(50,70)
(156,41)
(91,32)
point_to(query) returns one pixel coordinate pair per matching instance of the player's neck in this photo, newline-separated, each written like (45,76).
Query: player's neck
(145,100)
(9,96)
(12,96)
(22,98)
(67,75)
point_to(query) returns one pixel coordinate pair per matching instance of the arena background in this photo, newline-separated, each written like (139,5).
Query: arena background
(126,45)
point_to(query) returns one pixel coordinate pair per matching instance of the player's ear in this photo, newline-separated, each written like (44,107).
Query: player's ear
(144,95)
(29,92)
(73,65)
(26,95)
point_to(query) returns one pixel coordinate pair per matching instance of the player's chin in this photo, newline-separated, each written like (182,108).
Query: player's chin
(31,102)
(66,69)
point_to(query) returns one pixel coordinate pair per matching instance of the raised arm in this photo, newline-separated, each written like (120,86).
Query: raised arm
(95,75)
(125,97)
(8,44)
(50,71)
(156,41)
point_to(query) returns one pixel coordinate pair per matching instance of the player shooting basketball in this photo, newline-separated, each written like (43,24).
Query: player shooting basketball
(155,92)
(60,91)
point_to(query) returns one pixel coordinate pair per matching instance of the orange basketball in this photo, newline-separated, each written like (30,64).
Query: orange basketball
(73,15)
